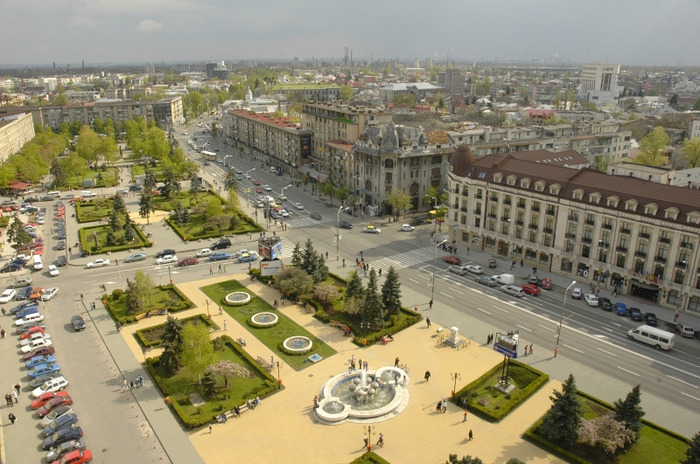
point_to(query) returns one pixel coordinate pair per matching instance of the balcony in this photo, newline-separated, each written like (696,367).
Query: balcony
(479,196)
(607,225)
(465,193)
(519,222)
(492,215)
(507,201)
(521,204)
(622,249)
(536,208)
(687,245)
(665,240)
(533,226)
(455,206)
(550,211)
(463,209)
(494,199)
(640,254)
(505,219)
(477,211)
(660,259)
(625,231)
(681,265)
(548,230)
(587,240)
(457,190)
(571,236)
(590,222)
(645,235)
(573,218)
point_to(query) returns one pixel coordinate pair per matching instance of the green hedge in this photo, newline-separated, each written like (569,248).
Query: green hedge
(141,339)
(107,299)
(87,242)
(519,396)
(370,458)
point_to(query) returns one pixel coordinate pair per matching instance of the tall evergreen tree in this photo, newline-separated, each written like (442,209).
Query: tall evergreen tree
(693,453)
(374,309)
(296,255)
(355,288)
(146,205)
(134,305)
(391,293)
(629,411)
(562,421)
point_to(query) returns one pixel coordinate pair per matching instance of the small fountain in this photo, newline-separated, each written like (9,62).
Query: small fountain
(297,344)
(237,298)
(264,319)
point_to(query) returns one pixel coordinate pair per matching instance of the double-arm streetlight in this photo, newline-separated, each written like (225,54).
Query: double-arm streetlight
(435,220)
(282,197)
(227,156)
(432,284)
(561,317)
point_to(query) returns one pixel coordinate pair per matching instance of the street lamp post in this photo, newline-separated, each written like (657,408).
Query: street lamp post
(337,235)
(279,379)
(248,192)
(561,317)
(455,377)
(227,156)
(435,220)
(432,283)
(207,303)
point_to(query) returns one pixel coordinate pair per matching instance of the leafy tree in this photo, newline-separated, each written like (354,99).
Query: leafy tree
(197,349)
(652,148)
(691,152)
(296,255)
(400,202)
(328,189)
(391,293)
(603,162)
(693,452)
(292,282)
(195,187)
(562,421)
(454,459)
(146,206)
(60,100)
(156,144)
(228,369)
(696,106)
(218,222)
(374,309)
(171,185)
(346,93)
(673,101)
(407,99)
(149,180)
(326,292)
(630,412)
(107,147)
(144,286)
(213,208)
(606,433)
(88,145)
(17,234)
(134,305)
(354,287)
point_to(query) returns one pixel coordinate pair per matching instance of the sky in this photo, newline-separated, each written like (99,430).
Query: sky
(626,32)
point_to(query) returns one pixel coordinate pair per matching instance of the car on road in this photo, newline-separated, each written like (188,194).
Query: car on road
(621,309)
(69,433)
(344,225)
(650,319)
(257,182)
(285,214)
(605,304)
(459,270)
(167,259)
(298,205)
(42,369)
(486,280)
(99,262)
(56,413)
(136,257)
(219,256)
(46,398)
(65,420)
(53,270)
(36,360)
(29,319)
(41,351)
(204,252)
(8,295)
(267,188)
(135,188)
(475,269)
(52,386)
(417,221)
(531,289)
(591,299)
(407,228)
(165,252)
(78,323)
(370,229)
(247,257)
(576,293)
(23,282)
(512,290)
(188,261)
(49,293)
(452,259)
(221,244)
(317,217)
(62,398)
(64,448)
(259,190)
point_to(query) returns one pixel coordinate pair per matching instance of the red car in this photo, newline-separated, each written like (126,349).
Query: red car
(31,331)
(256,182)
(531,289)
(62,398)
(547,283)
(452,259)
(75,457)
(46,397)
(36,293)
(259,190)
(189,261)
(40,351)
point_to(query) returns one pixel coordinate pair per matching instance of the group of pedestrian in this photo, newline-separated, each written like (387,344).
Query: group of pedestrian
(529,349)
(441,406)
(489,339)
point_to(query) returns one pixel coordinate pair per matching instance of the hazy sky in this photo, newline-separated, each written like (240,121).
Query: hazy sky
(663,32)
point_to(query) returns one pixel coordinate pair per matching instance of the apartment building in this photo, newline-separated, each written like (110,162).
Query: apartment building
(623,233)
(280,141)
(452,80)
(15,131)
(318,92)
(599,83)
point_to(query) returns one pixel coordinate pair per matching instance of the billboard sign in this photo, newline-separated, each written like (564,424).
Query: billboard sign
(270,248)
(506,344)
(270,268)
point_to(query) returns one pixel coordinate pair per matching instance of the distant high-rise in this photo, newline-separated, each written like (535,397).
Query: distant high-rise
(599,83)
(453,80)
(346,61)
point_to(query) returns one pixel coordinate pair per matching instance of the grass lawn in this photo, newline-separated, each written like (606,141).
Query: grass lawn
(108,179)
(139,170)
(153,336)
(164,296)
(94,210)
(186,199)
(272,337)
(87,242)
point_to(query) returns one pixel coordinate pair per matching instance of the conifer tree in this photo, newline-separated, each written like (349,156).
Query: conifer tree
(562,421)
(391,293)
(629,411)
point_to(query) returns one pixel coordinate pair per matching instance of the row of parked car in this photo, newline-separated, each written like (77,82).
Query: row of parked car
(52,403)
(169,256)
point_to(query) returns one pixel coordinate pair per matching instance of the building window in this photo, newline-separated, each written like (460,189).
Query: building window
(525,183)
(510,180)
(539,186)
(577,194)
(630,205)
(694,303)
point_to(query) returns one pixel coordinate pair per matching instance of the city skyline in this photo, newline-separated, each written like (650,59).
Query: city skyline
(130,31)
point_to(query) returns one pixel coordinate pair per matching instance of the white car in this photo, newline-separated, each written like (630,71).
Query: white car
(54,414)
(248,176)
(282,197)
(204,252)
(53,270)
(53,385)
(285,213)
(576,293)
(475,269)
(49,293)
(29,319)
(8,295)
(167,259)
(591,299)
(33,337)
(407,228)
(371,230)
(36,344)
(99,262)
(267,188)
(298,205)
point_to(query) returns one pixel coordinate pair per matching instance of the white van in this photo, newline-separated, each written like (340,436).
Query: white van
(659,339)
(36,261)
(54,194)
(87,194)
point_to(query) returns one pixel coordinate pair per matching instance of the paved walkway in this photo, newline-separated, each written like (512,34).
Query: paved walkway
(283,428)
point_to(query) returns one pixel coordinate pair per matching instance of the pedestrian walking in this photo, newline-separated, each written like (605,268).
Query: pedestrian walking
(211,270)
(471,435)
(430,304)
(8,400)
(17,387)
(366,440)
(427,321)
(465,415)
(444,405)
(225,326)
(365,365)
(438,407)
(2,332)
(380,441)
(124,383)
(467,251)
(221,310)
(396,362)
(525,354)
(118,325)
(219,268)
(380,272)
(359,364)
(12,418)
(427,376)
(532,349)
(326,256)
(14,396)
(344,262)
(210,428)
(556,352)
(224,269)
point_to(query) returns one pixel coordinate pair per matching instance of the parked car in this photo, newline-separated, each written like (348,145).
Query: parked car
(136,257)
(621,309)
(345,225)
(221,244)
(40,351)
(417,221)
(34,337)
(685,330)
(46,398)
(62,398)
(41,379)
(75,456)
(452,259)
(576,293)
(635,314)
(65,420)
(23,293)
(69,433)
(11,267)
(78,323)
(61,261)
(42,369)
(27,311)
(531,289)
(167,259)
(64,448)
(36,360)
(188,261)
(591,299)
(165,252)
(49,293)
(22,306)
(650,319)
(58,412)
(31,331)
(219,256)
(31,318)
(370,229)
(204,252)
(23,282)
(486,280)
(36,344)
(407,228)
(8,295)
(53,385)
(605,304)
(512,290)
(475,269)
(99,262)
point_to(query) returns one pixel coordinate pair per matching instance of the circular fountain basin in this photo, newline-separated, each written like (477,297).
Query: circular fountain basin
(297,344)
(264,319)
(237,298)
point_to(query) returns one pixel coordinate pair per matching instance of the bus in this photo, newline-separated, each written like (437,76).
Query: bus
(208,155)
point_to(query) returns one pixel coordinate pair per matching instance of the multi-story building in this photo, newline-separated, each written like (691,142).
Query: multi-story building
(452,80)
(397,157)
(599,83)
(15,131)
(419,90)
(623,233)
(694,129)
(318,92)
(278,140)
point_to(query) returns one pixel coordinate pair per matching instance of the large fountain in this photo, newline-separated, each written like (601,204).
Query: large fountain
(362,395)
